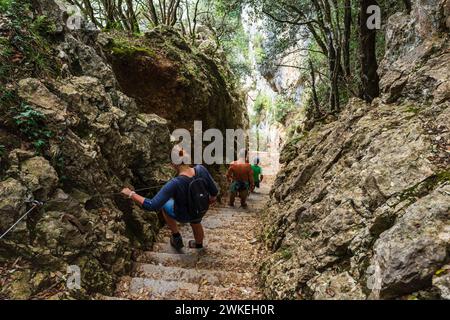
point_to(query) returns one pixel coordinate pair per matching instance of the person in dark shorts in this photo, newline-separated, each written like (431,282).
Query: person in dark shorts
(240,174)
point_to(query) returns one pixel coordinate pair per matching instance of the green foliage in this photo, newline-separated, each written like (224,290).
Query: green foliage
(282,108)
(6,95)
(8,104)
(424,187)
(261,108)
(123,48)
(26,51)
(31,124)
(5,5)
(262,103)
(286,253)
(271,111)
(235,47)
(42,26)
(259,49)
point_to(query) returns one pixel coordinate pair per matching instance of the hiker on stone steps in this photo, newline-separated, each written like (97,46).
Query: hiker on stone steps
(240,174)
(183,199)
(257,174)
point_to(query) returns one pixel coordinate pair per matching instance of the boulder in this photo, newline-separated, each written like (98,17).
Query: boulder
(34,92)
(39,177)
(408,254)
(13,197)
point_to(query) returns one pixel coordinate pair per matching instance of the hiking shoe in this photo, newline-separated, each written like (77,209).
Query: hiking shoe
(193,245)
(176,242)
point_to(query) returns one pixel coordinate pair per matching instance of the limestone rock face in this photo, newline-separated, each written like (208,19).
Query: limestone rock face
(175,80)
(417,61)
(361,207)
(408,254)
(96,141)
(367,195)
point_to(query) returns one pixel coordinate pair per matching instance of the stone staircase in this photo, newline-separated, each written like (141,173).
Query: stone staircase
(226,269)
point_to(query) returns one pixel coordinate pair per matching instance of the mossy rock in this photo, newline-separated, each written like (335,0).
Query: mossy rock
(19,286)
(123,48)
(425,186)
(94,278)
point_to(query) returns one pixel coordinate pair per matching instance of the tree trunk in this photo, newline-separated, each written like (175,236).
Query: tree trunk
(131,16)
(347,36)
(90,13)
(153,14)
(110,8)
(313,88)
(333,59)
(370,82)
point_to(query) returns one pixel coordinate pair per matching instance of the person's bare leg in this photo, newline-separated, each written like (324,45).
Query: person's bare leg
(199,234)
(171,223)
(244,194)
(232,198)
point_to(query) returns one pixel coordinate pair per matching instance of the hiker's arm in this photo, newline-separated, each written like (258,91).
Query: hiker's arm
(157,202)
(261,179)
(160,199)
(133,196)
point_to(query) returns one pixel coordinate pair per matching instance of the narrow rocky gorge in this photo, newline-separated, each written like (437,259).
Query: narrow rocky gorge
(359,210)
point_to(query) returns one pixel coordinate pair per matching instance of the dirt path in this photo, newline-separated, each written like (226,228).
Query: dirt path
(226,269)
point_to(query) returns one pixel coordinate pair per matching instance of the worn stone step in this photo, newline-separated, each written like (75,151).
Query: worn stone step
(236,210)
(209,247)
(219,261)
(178,290)
(161,289)
(199,260)
(169,259)
(229,293)
(214,221)
(107,298)
(218,238)
(196,276)
(224,233)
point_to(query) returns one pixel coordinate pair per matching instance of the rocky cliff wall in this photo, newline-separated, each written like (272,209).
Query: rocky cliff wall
(361,207)
(72,138)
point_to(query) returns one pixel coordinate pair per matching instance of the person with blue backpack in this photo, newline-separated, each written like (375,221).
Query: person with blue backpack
(185,199)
